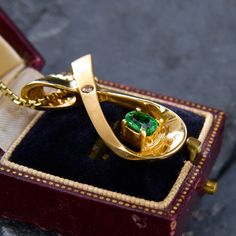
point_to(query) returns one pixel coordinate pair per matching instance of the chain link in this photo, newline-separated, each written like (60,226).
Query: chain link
(33,104)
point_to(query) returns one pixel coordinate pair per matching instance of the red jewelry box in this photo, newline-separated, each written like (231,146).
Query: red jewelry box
(73,196)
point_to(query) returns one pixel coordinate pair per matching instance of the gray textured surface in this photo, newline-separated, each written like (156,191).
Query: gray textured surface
(183,48)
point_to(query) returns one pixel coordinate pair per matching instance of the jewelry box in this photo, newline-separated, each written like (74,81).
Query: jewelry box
(49,179)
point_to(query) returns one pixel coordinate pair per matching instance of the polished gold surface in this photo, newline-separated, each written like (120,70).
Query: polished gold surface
(210,187)
(53,92)
(81,87)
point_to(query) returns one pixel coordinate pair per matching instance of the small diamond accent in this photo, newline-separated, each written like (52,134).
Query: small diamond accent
(87,89)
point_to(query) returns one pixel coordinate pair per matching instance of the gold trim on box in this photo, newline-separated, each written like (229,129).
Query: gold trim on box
(118,198)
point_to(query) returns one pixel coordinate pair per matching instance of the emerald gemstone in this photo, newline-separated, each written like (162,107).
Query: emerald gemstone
(137,121)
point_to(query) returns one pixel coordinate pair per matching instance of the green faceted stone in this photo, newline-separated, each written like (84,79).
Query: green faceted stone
(137,121)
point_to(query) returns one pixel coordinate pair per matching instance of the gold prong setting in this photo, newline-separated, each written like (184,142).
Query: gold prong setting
(139,138)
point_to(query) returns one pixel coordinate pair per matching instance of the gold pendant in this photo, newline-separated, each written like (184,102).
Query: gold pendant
(150,130)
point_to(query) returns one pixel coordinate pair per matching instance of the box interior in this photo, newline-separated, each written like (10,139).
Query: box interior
(60,144)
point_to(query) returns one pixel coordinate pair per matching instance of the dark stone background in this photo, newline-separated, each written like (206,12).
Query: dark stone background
(183,48)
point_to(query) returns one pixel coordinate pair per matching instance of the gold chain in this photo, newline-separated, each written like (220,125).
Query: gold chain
(34,104)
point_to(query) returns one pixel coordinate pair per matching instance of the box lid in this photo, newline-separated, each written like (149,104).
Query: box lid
(18,41)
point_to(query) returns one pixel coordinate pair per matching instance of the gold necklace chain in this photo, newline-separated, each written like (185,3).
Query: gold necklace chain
(33,104)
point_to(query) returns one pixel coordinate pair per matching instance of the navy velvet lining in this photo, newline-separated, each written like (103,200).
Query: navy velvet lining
(59,144)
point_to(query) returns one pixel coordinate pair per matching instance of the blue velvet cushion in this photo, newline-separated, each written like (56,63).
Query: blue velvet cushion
(61,141)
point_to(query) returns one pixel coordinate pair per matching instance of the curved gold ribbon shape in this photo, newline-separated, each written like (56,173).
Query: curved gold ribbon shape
(81,85)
